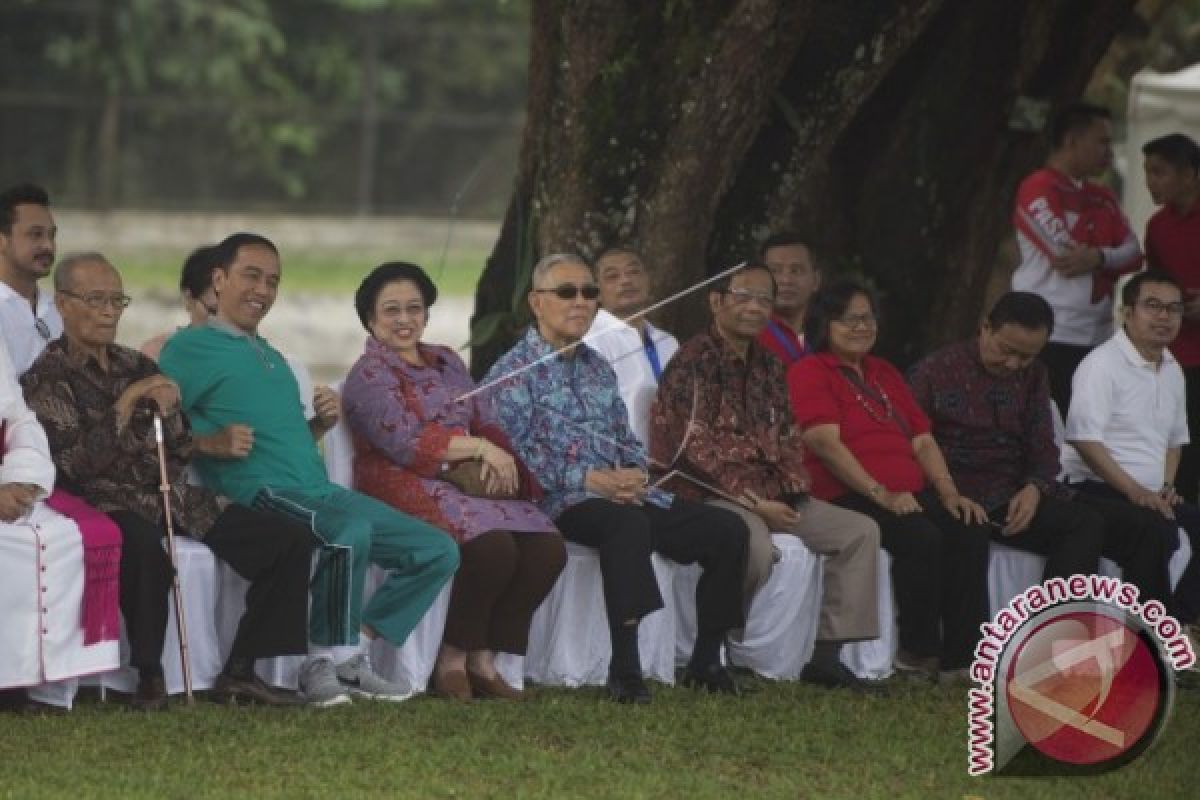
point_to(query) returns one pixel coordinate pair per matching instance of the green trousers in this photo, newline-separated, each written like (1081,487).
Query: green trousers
(358,531)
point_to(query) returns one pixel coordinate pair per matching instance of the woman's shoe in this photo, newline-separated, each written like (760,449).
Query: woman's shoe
(493,687)
(452,684)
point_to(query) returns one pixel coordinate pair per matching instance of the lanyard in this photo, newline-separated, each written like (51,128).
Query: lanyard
(785,341)
(652,355)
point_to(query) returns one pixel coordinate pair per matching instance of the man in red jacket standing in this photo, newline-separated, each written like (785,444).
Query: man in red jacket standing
(1074,241)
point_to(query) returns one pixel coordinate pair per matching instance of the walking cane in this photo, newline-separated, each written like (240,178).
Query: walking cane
(180,625)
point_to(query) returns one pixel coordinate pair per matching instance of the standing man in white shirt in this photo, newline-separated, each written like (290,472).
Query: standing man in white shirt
(1075,242)
(1126,427)
(636,350)
(28,318)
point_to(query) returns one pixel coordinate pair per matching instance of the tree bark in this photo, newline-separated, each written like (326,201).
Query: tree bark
(879,129)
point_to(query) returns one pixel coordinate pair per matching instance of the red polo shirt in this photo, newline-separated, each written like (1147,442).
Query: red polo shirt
(822,395)
(1173,245)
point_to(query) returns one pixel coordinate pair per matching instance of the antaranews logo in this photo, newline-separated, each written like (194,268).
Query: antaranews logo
(1075,676)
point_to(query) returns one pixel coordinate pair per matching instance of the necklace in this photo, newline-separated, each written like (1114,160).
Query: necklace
(884,400)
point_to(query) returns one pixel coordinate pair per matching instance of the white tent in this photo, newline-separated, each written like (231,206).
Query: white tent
(1158,104)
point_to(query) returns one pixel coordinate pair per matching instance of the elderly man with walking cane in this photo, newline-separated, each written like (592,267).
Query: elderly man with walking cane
(98,402)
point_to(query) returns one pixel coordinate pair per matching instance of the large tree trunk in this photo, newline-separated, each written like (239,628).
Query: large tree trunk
(881,129)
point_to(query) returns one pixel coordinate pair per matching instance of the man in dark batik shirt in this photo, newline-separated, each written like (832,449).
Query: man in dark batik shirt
(989,401)
(722,419)
(97,401)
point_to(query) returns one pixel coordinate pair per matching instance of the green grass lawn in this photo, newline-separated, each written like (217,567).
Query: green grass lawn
(785,741)
(317,273)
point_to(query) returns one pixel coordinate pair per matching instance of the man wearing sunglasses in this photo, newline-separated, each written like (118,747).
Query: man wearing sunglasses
(559,402)
(636,350)
(28,318)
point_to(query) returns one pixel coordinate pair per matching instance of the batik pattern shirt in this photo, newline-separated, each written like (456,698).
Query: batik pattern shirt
(114,470)
(726,420)
(996,433)
(403,417)
(564,416)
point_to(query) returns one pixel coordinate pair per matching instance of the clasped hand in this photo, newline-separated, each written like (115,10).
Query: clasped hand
(621,485)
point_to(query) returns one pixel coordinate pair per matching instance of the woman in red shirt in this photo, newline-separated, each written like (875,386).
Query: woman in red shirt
(870,449)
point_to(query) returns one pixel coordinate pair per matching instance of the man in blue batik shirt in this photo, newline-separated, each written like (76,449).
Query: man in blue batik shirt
(558,401)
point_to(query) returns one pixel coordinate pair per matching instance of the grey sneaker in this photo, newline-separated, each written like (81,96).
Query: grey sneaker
(356,676)
(319,684)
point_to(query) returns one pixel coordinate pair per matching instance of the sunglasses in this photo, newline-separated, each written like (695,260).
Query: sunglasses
(569,291)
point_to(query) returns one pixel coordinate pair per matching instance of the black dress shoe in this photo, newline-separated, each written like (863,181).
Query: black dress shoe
(714,679)
(837,676)
(151,695)
(628,689)
(13,700)
(233,690)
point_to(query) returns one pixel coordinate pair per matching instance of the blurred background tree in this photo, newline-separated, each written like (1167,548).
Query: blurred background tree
(310,105)
(891,134)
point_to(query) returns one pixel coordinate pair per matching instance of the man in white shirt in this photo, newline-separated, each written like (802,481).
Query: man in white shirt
(1126,427)
(28,318)
(636,350)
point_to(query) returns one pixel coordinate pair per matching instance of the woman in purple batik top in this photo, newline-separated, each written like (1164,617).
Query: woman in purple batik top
(412,425)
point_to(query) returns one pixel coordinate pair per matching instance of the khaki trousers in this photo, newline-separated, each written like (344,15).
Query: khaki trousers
(849,542)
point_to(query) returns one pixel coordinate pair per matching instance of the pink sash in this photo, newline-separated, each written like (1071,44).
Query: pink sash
(101,566)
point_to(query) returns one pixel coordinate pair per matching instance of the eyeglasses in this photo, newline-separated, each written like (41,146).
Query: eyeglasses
(569,291)
(856,321)
(743,297)
(98,300)
(1156,308)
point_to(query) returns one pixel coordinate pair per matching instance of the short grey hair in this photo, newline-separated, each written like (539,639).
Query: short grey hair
(64,273)
(542,268)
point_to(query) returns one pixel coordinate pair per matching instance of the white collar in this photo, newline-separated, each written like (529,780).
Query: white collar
(1136,359)
(43,298)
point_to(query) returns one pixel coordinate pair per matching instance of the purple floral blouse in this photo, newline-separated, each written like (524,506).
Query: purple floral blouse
(402,417)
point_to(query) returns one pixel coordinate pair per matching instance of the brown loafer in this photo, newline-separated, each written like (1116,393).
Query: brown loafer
(493,687)
(151,695)
(453,685)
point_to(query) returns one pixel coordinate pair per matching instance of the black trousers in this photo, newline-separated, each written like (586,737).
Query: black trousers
(1187,477)
(689,533)
(271,551)
(1141,541)
(1061,361)
(1185,605)
(1069,534)
(939,577)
